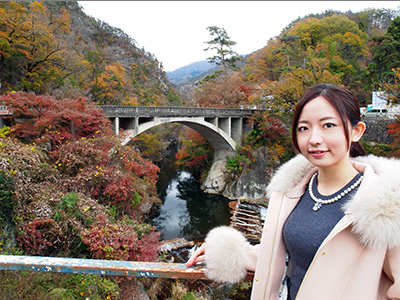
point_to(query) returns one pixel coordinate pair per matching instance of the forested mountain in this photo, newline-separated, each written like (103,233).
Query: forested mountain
(329,47)
(360,51)
(333,47)
(190,71)
(53,47)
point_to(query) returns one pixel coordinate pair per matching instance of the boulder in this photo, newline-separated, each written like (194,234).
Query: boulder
(215,182)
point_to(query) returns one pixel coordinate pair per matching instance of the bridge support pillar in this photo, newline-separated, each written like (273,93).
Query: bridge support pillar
(237,129)
(116,125)
(222,154)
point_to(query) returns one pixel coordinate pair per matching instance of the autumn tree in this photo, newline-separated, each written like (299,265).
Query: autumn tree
(222,92)
(374,21)
(323,49)
(222,43)
(152,144)
(58,193)
(266,63)
(53,48)
(383,70)
(195,154)
(336,38)
(279,98)
(33,52)
(394,130)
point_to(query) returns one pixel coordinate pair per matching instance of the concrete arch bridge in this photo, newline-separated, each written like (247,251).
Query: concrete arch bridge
(223,128)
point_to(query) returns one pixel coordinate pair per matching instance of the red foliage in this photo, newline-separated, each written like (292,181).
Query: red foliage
(195,154)
(245,89)
(40,237)
(394,130)
(143,168)
(122,242)
(121,191)
(268,130)
(46,119)
(120,177)
(74,157)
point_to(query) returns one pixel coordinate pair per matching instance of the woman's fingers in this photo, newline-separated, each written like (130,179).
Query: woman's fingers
(197,256)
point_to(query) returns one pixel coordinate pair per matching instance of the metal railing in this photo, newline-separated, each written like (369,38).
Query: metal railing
(135,111)
(102,267)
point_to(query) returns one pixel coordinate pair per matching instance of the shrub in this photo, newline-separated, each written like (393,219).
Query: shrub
(377,148)
(122,242)
(7,205)
(394,130)
(267,131)
(41,237)
(48,120)
(54,286)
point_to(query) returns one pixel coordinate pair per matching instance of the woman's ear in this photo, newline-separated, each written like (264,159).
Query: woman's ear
(358,131)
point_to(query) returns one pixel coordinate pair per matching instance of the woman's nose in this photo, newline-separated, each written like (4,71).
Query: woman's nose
(316,137)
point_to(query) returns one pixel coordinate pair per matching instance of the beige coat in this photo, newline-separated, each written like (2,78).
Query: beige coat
(359,259)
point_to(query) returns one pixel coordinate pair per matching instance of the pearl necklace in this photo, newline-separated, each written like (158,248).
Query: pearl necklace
(319,202)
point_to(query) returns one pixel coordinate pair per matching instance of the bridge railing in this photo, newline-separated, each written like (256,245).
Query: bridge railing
(102,267)
(115,110)
(137,111)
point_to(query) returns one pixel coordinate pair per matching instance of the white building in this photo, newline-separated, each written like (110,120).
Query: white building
(379,100)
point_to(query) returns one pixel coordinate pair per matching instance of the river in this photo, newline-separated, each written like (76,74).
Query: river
(185,211)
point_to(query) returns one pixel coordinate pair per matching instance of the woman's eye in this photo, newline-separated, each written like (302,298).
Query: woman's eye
(329,125)
(302,128)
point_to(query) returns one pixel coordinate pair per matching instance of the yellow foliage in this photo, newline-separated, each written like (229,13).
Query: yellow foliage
(131,101)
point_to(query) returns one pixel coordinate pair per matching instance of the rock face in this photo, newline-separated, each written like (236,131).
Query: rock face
(215,182)
(254,179)
(251,183)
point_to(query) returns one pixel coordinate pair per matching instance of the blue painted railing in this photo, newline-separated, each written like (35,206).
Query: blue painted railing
(98,267)
(101,267)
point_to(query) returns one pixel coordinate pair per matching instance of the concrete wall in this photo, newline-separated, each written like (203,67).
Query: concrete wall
(377,130)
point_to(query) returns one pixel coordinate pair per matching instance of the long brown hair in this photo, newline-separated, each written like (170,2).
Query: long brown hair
(343,101)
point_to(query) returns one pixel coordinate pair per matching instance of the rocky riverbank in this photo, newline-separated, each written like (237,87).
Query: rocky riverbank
(250,185)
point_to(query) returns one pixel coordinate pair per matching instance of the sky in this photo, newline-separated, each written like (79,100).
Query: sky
(175,32)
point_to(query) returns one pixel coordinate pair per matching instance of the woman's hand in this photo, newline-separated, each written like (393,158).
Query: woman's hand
(197,256)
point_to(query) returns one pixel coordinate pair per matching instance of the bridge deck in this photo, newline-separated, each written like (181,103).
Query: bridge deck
(168,111)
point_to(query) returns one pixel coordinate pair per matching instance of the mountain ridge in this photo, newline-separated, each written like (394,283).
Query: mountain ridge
(185,73)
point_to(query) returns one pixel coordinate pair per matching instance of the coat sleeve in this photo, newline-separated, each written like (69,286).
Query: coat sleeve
(228,255)
(392,270)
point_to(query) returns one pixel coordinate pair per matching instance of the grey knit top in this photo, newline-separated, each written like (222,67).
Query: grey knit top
(305,230)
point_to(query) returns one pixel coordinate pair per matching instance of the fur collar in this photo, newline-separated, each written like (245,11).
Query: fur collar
(375,209)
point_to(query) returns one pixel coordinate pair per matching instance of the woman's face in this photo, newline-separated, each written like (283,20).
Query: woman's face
(320,134)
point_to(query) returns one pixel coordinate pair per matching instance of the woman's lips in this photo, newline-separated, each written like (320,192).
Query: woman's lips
(318,153)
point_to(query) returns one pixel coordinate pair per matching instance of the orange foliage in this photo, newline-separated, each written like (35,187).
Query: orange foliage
(222,92)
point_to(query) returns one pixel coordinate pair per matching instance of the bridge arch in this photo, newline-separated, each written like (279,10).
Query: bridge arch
(222,128)
(221,142)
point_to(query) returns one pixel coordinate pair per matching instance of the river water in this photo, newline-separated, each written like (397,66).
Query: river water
(185,210)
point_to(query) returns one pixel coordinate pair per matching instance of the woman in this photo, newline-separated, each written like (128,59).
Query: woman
(333,224)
